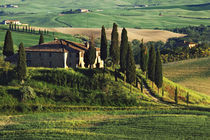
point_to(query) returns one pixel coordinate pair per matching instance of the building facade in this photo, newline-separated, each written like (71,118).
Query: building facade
(59,53)
(17,22)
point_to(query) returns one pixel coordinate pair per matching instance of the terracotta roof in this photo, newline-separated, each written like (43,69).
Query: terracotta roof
(53,46)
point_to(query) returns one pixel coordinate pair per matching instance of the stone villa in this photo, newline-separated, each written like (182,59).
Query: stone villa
(59,53)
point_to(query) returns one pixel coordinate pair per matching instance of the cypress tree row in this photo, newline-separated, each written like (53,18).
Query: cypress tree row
(8,49)
(103,45)
(41,39)
(21,64)
(123,50)
(143,56)
(151,64)
(158,71)
(130,66)
(114,47)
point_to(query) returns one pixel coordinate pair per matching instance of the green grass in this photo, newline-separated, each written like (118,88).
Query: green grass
(139,124)
(175,13)
(193,74)
(30,39)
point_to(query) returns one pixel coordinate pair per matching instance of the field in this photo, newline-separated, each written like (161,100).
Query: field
(137,124)
(146,34)
(194,74)
(177,13)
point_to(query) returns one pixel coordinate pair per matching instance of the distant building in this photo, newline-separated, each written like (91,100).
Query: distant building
(17,22)
(190,44)
(9,6)
(59,53)
(82,10)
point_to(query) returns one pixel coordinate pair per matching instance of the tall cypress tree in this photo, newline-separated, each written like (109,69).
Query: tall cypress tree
(158,71)
(21,64)
(123,50)
(143,56)
(103,45)
(130,66)
(151,64)
(176,95)
(8,49)
(114,47)
(41,39)
(90,54)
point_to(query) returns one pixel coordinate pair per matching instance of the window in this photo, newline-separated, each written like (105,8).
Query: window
(50,64)
(28,56)
(28,62)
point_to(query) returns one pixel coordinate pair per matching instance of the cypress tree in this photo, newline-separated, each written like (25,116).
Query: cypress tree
(123,50)
(151,64)
(114,47)
(176,96)
(142,88)
(130,66)
(10,26)
(158,71)
(90,55)
(41,39)
(8,49)
(92,52)
(103,45)
(188,98)
(143,56)
(21,64)
(23,29)
(26,29)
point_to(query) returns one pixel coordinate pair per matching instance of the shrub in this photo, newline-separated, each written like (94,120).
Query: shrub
(27,93)
(21,107)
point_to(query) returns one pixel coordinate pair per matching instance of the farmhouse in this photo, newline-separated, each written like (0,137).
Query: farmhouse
(59,53)
(190,44)
(82,10)
(12,22)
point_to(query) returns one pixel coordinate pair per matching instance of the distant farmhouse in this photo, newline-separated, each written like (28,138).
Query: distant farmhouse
(59,53)
(190,44)
(17,22)
(76,11)
(9,6)
(82,10)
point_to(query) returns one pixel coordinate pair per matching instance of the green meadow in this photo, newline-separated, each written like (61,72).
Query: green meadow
(137,124)
(177,13)
(194,73)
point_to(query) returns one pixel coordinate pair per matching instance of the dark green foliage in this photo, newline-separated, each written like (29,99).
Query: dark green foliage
(151,64)
(188,98)
(21,64)
(142,86)
(176,95)
(158,70)
(90,54)
(130,66)
(162,92)
(8,49)
(41,39)
(114,47)
(27,93)
(103,44)
(123,50)
(143,56)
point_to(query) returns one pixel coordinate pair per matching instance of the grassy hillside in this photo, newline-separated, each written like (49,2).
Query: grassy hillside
(46,13)
(194,74)
(138,124)
(30,39)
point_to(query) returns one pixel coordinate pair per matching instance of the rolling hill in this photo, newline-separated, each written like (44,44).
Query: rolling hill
(124,12)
